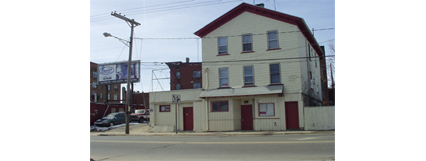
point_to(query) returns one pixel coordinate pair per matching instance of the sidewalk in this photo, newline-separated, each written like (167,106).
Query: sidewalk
(143,130)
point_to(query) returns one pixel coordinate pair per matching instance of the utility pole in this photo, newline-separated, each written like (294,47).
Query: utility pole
(332,81)
(132,23)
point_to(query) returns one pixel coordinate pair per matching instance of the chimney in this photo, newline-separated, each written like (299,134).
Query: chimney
(261,5)
(187,60)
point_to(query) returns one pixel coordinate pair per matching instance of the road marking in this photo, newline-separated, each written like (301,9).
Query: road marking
(161,142)
(307,138)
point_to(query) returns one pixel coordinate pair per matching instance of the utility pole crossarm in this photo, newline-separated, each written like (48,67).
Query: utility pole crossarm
(132,21)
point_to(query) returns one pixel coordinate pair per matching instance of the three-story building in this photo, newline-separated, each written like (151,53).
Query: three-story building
(260,68)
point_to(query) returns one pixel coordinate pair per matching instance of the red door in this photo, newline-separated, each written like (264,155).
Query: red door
(246,117)
(292,115)
(188,119)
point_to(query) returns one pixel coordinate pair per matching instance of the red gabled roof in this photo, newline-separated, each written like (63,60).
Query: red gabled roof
(244,7)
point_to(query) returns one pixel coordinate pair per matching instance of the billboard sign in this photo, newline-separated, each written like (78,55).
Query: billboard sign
(112,73)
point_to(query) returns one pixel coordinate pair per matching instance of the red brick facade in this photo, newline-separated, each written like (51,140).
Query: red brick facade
(185,75)
(102,92)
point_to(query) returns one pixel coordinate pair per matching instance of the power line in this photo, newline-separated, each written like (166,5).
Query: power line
(228,61)
(183,6)
(200,4)
(185,38)
(164,4)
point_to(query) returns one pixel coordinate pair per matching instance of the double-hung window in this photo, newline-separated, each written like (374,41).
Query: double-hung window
(196,85)
(177,75)
(223,77)
(248,76)
(219,106)
(222,45)
(266,109)
(273,40)
(274,70)
(196,74)
(247,43)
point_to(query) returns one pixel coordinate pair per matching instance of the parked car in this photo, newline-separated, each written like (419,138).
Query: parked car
(140,115)
(111,119)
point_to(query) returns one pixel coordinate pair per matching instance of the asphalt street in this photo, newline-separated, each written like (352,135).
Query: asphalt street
(260,147)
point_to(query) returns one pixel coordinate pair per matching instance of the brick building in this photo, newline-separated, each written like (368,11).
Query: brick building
(100,93)
(185,75)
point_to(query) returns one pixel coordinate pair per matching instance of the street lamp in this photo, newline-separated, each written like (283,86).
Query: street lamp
(125,42)
(106,34)
(132,23)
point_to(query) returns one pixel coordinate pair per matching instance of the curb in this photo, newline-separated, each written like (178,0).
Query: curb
(220,133)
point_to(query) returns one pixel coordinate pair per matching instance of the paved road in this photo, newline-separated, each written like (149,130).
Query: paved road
(271,147)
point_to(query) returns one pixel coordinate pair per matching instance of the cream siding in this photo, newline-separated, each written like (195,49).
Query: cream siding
(258,26)
(290,69)
(189,98)
(293,75)
(221,121)
(200,116)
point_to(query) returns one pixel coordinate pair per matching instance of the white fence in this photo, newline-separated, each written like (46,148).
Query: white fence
(319,118)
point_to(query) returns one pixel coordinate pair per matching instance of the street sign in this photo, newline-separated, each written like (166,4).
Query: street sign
(176,98)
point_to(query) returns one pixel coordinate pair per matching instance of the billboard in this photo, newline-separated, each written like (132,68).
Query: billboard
(111,73)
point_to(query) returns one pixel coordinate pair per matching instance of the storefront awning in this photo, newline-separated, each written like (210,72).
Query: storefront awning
(249,91)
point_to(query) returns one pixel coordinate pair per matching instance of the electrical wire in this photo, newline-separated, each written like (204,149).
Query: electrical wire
(106,14)
(186,38)
(96,19)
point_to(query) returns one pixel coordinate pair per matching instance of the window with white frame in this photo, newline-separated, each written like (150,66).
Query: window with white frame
(248,76)
(95,74)
(266,109)
(109,87)
(274,70)
(223,77)
(273,40)
(115,88)
(222,45)
(109,96)
(247,43)
(115,97)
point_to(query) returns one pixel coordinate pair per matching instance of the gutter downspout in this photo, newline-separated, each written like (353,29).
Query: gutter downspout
(207,100)
(207,114)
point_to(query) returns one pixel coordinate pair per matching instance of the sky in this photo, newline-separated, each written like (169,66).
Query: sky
(179,19)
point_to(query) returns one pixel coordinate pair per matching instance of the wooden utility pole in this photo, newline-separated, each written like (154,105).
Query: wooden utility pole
(132,23)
